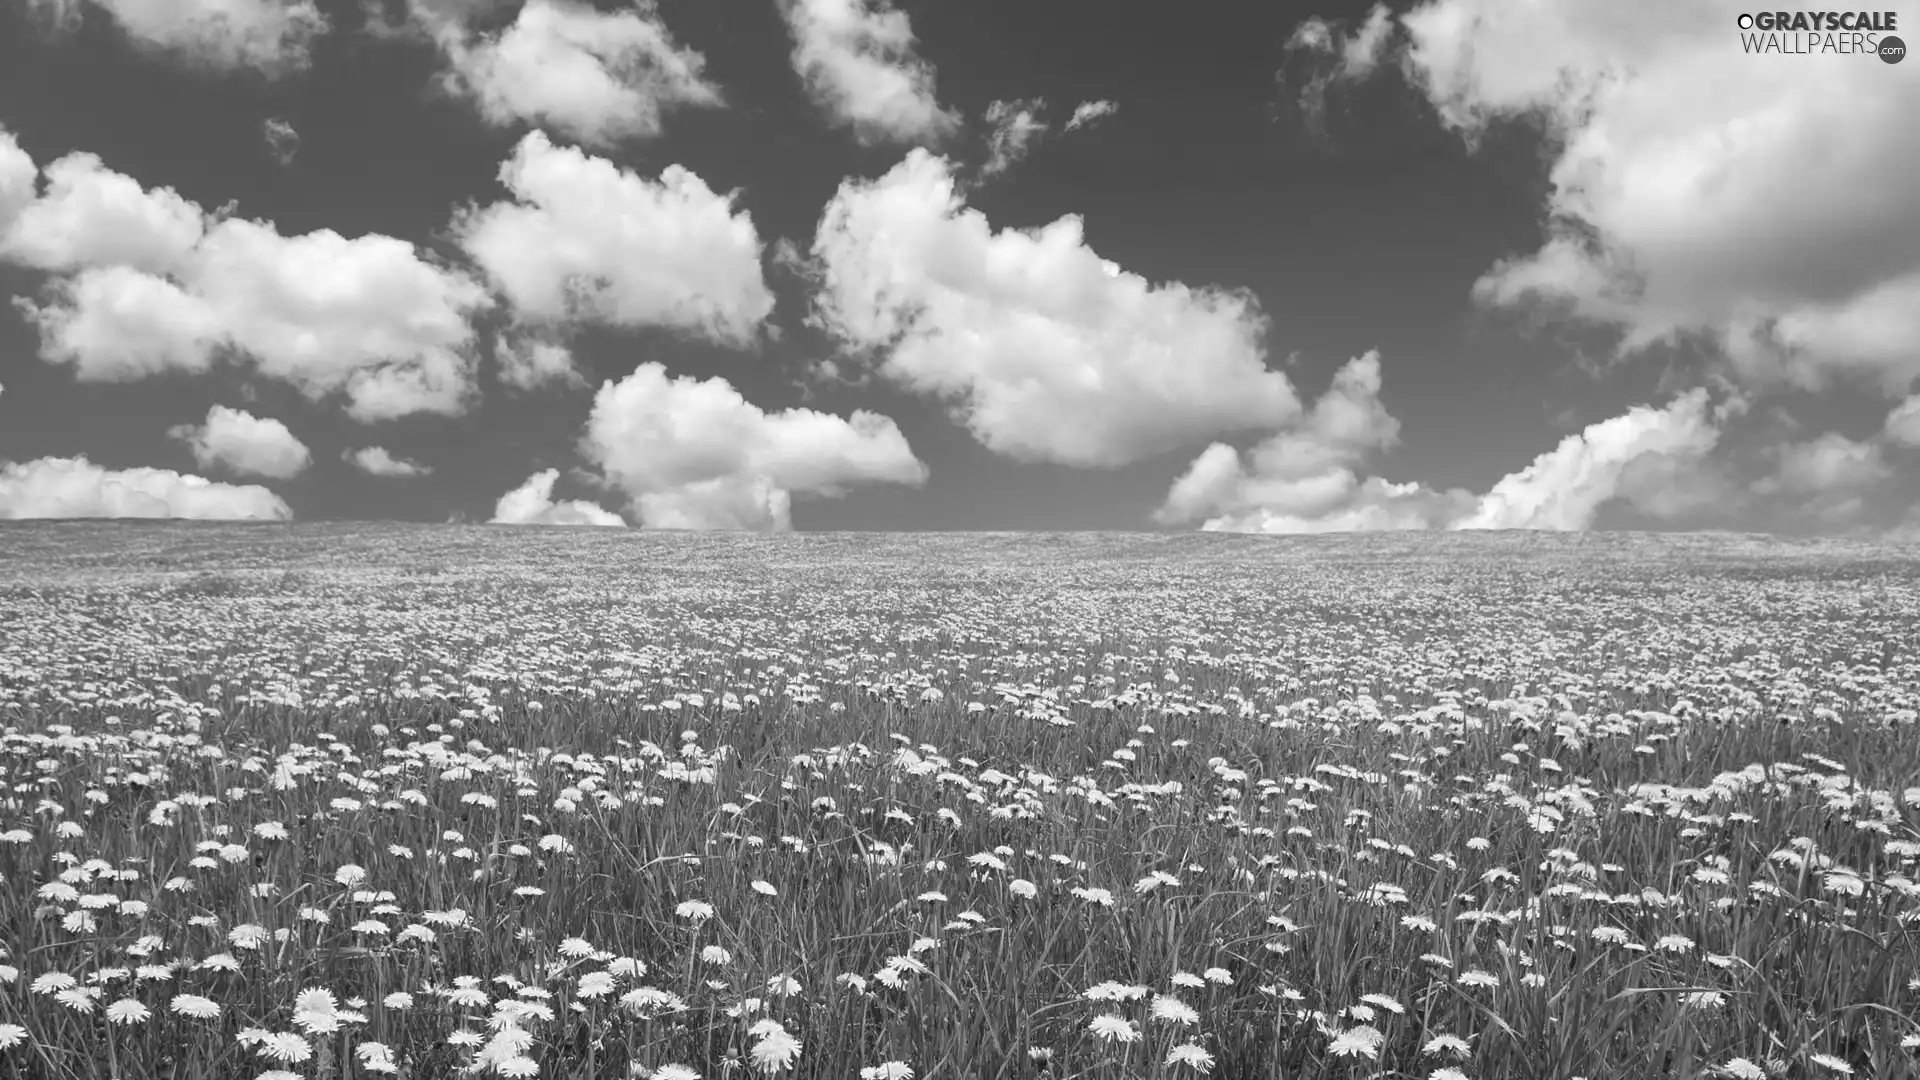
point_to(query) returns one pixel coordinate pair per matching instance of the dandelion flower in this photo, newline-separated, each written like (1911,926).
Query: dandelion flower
(776,1050)
(11,1035)
(128,1011)
(195,1006)
(1192,1055)
(1828,1061)
(1741,1069)
(887,1070)
(764,888)
(518,1066)
(285,1047)
(1112,1027)
(1173,1010)
(675,1072)
(1363,1041)
(1446,1044)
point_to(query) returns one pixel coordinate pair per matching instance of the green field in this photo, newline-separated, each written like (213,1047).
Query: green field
(316,801)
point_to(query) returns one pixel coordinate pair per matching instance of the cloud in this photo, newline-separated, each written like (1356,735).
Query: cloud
(858,60)
(597,77)
(281,139)
(274,37)
(147,282)
(1320,54)
(532,504)
(1903,423)
(18,179)
(90,215)
(1309,477)
(1017,128)
(377,461)
(1305,478)
(1046,351)
(1564,488)
(77,488)
(1088,113)
(588,241)
(244,443)
(528,362)
(694,454)
(1696,190)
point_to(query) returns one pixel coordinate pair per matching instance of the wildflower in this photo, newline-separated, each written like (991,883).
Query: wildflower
(11,1035)
(697,910)
(285,1047)
(887,1070)
(764,888)
(1363,1041)
(518,1066)
(1828,1061)
(376,1057)
(675,1072)
(1192,1055)
(776,1048)
(1741,1069)
(195,1006)
(399,999)
(1112,1027)
(1023,888)
(1218,975)
(1479,978)
(1446,1072)
(128,1011)
(1173,1010)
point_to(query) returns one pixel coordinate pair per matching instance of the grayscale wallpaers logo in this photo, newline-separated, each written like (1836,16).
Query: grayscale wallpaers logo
(1811,33)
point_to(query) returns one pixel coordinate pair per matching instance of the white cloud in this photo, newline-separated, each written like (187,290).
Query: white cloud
(587,240)
(598,77)
(1306,479)
(1697,189)
(378,461)
(283,142)
(1017,127)
(858,60)
(1827,463)
(152,283)
(1088,113)
(532,504)
(1903,423)
(77,488)
(1047,351)
(271,36)
(528,363)
(18,174)
(695,454)
(90,215)
(244,443)
(1320,53)
(1564,488)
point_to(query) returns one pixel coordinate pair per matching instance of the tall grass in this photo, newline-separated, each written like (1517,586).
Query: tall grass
(1317,811)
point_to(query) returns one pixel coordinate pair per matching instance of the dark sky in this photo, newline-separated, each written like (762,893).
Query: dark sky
(1369,238)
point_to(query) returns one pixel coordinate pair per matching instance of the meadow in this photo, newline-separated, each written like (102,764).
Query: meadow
(363,801)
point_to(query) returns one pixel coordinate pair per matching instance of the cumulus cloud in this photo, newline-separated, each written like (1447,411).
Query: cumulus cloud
(1306,478)
(282,140)
(694,454)
(859,62)
(528,362)
(1088,113)
(597,77)
(1016,127)
(1903,423)
(1683,170)
(77,488)
(1565,487)
(147,282)
(1310,476)
(271,36)
(18,179)
(378,461)
(90,215)
(1323,52)
(532,504)
(1046,351)
(243,443)
(585,240)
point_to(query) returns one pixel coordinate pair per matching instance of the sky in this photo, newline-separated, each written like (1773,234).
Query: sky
(1262,266)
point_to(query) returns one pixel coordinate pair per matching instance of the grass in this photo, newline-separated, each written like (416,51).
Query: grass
(954,806)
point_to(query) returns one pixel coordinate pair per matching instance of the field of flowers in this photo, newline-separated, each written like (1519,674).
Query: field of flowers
(360,801)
